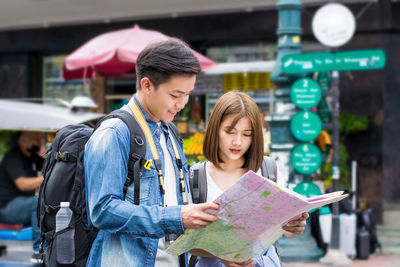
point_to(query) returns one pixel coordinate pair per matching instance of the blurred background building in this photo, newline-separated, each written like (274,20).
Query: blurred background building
(36,36)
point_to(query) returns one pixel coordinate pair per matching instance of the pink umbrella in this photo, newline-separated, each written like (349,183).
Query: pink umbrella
(115,53)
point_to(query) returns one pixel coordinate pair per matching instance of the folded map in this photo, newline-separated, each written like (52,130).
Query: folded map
(252,212)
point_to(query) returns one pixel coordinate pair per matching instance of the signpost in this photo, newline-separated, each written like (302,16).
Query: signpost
(289,42)
(341,61)
(306,158)
(305,93)
(323,81)
(333,25)
(305,126)
(323,107)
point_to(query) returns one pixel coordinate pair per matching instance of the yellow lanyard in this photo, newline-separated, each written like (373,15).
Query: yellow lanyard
(137,113)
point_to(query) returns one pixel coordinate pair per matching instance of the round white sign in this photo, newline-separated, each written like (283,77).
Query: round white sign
(333,24)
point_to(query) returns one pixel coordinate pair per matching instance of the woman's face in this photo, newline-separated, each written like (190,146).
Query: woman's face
(233,143)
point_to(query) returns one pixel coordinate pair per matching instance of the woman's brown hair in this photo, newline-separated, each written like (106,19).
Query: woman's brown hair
(239,105)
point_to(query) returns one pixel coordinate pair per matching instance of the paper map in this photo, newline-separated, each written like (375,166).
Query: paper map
(251,214)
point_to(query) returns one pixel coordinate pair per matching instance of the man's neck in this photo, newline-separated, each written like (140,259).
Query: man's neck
(142,101)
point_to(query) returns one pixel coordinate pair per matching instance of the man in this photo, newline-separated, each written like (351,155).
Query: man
(135,235)
(18,181)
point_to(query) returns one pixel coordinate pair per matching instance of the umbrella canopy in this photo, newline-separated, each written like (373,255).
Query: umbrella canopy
(18,115)
(115,53)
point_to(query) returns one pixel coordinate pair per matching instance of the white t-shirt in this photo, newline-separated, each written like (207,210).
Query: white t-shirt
(164,259)
(169,175)
(213,191)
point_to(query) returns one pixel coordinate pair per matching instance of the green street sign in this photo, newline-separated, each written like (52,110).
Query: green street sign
(341,61)
(361,60)
(323,81)
(305,126)
(305,93)
(306,158)
(323,111)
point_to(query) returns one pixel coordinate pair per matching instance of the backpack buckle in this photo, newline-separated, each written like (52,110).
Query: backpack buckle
(148,164)
(60,156)
(65,157)
(136,157)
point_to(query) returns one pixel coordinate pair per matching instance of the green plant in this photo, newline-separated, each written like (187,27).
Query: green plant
(5,141)
(326,170)
(349,124)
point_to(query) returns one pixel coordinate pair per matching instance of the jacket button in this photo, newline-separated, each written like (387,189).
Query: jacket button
(151,254)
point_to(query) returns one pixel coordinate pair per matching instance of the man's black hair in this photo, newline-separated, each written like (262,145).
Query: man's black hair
(161,61)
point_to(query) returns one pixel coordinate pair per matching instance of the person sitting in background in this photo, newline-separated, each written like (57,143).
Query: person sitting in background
(19,180)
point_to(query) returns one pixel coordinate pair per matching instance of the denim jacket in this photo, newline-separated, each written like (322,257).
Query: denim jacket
(129,233)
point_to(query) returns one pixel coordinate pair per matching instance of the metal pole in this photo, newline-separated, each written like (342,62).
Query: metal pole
(303,248)
(335,158)
(354,184)
(289,38)
(335,256)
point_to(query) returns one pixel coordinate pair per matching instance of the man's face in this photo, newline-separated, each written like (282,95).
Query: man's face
(169,98)
(28,140)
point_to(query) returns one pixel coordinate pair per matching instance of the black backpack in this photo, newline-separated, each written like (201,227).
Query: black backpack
(64,181)
(198,187)
(366,219)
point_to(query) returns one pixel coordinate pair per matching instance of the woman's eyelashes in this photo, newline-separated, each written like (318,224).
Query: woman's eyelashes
(246,134)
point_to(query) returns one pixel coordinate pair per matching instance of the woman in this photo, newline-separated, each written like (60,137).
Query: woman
(233,145)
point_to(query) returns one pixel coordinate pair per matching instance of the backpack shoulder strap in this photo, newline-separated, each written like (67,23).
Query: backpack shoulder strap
(269,169)
(137,149)
(198,182)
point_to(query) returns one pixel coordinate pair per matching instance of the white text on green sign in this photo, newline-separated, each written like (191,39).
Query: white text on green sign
(305,93)
(306,158)
(305,126)
(340,61)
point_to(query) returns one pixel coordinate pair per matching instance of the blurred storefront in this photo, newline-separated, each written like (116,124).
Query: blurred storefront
(243,40)
(54,86)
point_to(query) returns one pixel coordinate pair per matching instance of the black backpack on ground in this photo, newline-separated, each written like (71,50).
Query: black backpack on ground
(366,221)
(198,187)
(64,181)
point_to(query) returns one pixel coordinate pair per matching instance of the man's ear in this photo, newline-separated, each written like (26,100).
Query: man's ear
(146,85)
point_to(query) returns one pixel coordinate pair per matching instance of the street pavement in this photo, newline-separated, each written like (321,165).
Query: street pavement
(19,252)
(389,256)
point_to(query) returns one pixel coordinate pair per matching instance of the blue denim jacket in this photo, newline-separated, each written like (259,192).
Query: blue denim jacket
(128,233)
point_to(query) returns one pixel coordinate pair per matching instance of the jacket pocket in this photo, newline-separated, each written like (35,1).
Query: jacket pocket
(147,178)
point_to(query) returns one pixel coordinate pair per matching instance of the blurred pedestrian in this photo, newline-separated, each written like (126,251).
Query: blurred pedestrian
(19,179)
